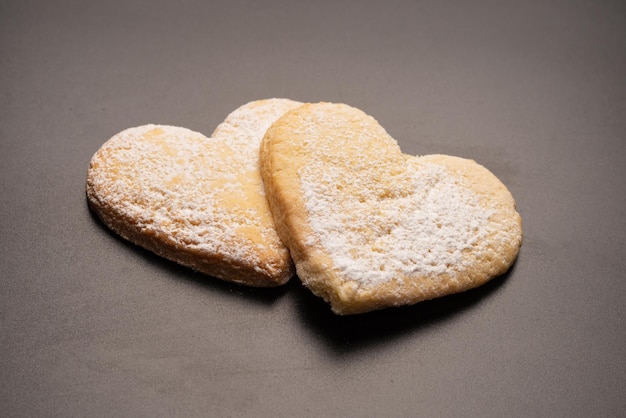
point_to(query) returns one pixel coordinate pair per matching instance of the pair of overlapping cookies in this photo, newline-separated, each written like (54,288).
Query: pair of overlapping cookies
(321,187)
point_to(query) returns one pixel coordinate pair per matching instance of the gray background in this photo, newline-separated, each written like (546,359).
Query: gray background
(533,90)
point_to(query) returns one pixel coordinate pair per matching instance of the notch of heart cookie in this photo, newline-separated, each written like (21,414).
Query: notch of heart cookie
(370,227)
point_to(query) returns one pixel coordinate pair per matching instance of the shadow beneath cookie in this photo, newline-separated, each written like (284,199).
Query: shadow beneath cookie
(264,296)
(347,334)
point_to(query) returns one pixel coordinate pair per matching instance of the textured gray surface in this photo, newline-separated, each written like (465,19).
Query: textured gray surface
(535,91)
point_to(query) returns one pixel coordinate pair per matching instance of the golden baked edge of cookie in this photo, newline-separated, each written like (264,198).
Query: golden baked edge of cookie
(281,181)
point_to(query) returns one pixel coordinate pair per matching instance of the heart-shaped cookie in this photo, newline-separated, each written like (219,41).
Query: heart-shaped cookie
(369,227)
(195,200)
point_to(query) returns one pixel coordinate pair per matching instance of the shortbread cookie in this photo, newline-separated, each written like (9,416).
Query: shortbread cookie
(195,200)
(369,227)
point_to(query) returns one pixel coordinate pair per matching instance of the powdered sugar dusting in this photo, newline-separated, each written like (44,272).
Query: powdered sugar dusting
(204,194)
(418,222)
(157,175)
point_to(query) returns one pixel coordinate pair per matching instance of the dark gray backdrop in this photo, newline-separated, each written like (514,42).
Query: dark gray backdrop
(533,90)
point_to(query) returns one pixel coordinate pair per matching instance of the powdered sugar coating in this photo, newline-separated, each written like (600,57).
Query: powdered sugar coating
(196,200)
(422,231)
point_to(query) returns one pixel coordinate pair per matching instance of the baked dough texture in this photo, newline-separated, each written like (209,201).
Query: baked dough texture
(369,227)
(195,200)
